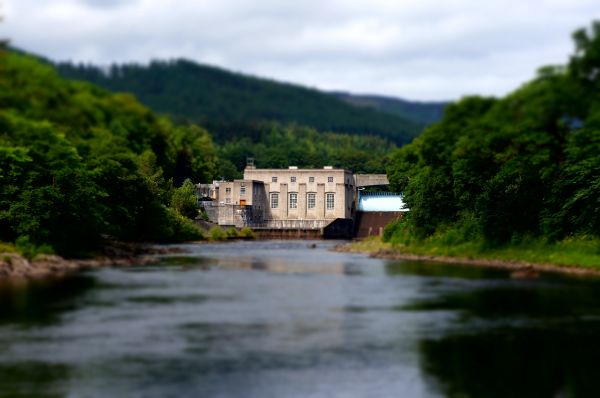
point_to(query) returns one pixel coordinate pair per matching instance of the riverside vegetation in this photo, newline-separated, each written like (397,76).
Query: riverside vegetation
(515,175)
(516,178)
(79,164)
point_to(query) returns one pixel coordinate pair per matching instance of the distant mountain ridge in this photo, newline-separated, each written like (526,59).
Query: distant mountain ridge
(227,103)
(421,112)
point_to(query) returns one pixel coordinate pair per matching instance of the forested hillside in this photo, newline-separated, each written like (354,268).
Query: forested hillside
(230,105)
(527,165)
(79,164)
(421,112)
(276,146)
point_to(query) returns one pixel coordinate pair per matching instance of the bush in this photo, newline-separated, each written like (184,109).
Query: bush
(247,233)
(231,233)
(30,250)
(184,200)
(216,233)
(400,231)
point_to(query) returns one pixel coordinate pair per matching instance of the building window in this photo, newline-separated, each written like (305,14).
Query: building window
(329,179)
(293,201)
(242,190)
(228,200)
(227,190)
(330,202)
(311,200)
(292,179)
(273,179)
(311,179)
(274,200)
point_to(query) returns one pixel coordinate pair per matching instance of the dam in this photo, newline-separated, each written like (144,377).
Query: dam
(302,203)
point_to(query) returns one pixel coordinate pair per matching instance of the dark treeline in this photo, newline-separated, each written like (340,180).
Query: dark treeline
(276,146)
(527,165)
(426,113)
(229,104)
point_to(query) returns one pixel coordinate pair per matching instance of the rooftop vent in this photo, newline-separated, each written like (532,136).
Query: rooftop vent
(293,167)
(328,167)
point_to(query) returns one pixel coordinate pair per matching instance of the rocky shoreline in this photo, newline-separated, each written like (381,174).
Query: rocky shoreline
(519,269)
(13,266)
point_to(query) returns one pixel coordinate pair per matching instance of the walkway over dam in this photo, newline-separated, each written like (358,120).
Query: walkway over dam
(370,180)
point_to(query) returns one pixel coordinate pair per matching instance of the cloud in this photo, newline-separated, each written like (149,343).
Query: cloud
(427,49)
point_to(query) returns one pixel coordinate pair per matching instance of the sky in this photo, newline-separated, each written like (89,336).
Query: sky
(414,49)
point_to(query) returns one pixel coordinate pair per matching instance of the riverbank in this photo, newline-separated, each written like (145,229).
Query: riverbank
(514,259)
(14,266)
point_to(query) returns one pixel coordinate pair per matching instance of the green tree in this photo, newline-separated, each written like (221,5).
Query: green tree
(184,200)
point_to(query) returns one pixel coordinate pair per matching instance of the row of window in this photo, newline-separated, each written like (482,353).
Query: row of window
(310,179)
(242,190)
(311,200)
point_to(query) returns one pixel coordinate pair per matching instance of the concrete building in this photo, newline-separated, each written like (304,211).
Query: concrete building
(282,199)
(289,202)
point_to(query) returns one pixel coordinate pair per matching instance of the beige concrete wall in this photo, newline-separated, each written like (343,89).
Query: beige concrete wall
(306,181)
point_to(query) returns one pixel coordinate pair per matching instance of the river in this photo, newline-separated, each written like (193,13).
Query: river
(281,319)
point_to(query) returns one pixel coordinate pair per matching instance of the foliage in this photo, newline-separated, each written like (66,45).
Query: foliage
(502,170)
(7,248)
(229,104)
(247,233)
(30,250)
(423,112)
(231,232)
(184,200)
(216,233)
(277,146)
(578,250)
(78,163)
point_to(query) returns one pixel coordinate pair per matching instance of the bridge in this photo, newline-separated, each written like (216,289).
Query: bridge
(370,180)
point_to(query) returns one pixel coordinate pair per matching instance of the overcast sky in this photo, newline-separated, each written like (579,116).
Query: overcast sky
(416,49)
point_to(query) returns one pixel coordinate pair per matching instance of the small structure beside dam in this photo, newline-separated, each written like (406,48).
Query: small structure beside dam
(301,203)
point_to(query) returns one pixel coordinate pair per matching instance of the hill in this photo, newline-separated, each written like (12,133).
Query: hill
(227,103)
(420,112)
(79,163)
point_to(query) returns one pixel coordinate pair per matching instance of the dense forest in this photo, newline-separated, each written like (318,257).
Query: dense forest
(276,146)
(276,124)
(503,170)
(79,164)
(230,105)
(425,113)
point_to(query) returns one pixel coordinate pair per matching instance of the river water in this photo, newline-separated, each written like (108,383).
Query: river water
(282,319)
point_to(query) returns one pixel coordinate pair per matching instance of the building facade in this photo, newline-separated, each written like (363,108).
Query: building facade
(290,198)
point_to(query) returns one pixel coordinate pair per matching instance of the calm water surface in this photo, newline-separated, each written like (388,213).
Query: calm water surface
(279,319)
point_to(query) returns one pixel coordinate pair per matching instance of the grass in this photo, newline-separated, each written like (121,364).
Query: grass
(370,245)
(7,248)
(582,251)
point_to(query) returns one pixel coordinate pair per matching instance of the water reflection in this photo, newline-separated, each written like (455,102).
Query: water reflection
(524,362)
(41,302)
(276,319)
(510,338)
(33,379)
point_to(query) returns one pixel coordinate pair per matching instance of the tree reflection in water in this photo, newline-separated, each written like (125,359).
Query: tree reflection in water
(513,338)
